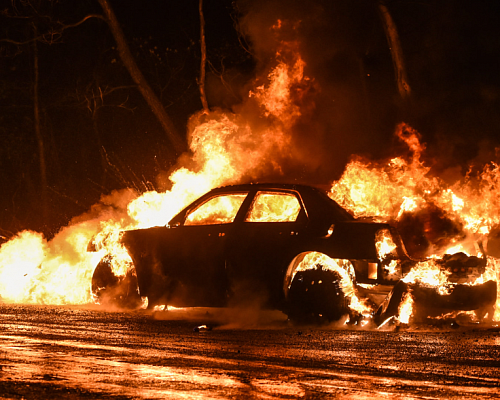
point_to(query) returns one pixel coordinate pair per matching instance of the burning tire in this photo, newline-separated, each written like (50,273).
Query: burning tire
(112,290)
(316,296)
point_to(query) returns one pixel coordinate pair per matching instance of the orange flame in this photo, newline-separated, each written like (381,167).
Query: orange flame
(228,148)
(274,208)
(405,310)
(225,149)
(404,187)
(384,244)
(221,211)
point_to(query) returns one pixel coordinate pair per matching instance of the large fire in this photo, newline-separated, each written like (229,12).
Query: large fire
(226,148)
(455,217)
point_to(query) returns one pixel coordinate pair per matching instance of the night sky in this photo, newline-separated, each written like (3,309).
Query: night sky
(100,135)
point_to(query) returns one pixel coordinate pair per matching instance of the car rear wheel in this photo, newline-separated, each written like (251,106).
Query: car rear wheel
(320,288)
(111,290)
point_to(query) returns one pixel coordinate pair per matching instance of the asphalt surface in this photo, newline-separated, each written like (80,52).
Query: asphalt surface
(78,353)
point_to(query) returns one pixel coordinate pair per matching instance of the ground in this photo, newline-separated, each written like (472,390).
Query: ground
(74,353)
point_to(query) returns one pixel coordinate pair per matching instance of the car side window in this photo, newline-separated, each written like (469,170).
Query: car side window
(217,210)
(274,207)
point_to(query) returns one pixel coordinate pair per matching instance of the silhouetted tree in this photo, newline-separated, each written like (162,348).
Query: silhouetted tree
(136,74)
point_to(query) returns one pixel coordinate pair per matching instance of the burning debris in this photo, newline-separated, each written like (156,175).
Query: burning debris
(440,223)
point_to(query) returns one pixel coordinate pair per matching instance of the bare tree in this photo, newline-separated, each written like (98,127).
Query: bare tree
(201,81)
(37,126)
(136,74)
(391,32)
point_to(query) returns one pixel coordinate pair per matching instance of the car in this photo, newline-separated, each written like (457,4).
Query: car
(288,247)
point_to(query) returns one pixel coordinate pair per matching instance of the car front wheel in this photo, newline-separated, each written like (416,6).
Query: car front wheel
(320,290)
(316,296)
(111,290)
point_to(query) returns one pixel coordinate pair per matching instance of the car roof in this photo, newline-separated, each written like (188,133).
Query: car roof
(264,185)
(317,203)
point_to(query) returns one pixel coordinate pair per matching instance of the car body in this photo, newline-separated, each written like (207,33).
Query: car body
(248,243)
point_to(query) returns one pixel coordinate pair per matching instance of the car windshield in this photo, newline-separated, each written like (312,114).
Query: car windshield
(217,210)
(274,207)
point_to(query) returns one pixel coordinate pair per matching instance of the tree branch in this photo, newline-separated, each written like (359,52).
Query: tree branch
(137,76)
(53,33)
(203,46)
(391,33)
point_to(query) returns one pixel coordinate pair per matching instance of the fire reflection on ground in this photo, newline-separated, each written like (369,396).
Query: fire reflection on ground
(62,352)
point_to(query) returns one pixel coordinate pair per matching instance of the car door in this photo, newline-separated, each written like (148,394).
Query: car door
(192,254)
(262,244)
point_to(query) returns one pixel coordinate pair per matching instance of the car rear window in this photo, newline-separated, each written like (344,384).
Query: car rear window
(274,207)
(218,210)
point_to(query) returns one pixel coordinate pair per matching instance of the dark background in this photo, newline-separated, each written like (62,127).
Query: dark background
(100,135)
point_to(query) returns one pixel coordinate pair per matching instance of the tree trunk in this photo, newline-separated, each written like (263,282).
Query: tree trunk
(203,46)
(38,131)
(391,33)
(146,91)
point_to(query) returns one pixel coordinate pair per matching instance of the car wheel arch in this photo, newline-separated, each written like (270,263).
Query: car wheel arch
(299,258)
(321,290)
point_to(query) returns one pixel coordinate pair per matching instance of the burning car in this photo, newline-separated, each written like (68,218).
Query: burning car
(288,247)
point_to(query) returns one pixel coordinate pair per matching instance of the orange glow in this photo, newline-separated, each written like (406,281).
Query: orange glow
(344,269)
(218,210)
(405,310)
(224,149)
(269,207)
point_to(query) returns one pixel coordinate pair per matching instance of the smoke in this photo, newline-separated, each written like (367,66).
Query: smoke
(349,105)
(355,105)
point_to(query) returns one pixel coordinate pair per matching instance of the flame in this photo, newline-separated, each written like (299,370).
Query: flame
(387,190)
(33,270)
(430,274)
(402,186)
(218,210)
(225,148)
(454,218)
(276,98)
(405,310)
(384,244)
(26,251)
(269,207)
